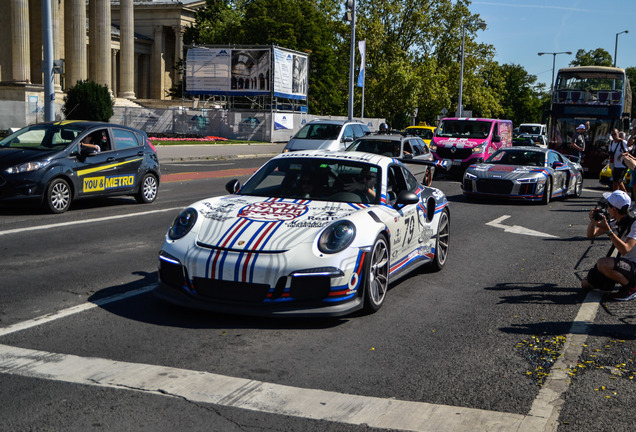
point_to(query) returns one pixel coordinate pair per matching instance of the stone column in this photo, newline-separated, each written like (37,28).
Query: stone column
(99,32)
(158,66)
(75,66)
(20,58)
(113,84)
(127,45)
(57,6)
(178,51)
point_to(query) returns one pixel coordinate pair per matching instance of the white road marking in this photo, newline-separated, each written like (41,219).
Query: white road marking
(205,387)
(190,164)
(85,221)
(516,229)
(71,311)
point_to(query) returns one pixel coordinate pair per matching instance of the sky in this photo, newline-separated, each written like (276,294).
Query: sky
(519,29)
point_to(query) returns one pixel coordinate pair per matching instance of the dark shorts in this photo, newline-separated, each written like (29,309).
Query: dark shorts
(625,267)
(618,174)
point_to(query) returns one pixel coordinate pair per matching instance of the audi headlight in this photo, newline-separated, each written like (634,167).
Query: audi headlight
(336,237)
(469,176)
(183,224)
(27,167)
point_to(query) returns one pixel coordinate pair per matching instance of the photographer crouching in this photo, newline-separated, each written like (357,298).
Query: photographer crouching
(621,230)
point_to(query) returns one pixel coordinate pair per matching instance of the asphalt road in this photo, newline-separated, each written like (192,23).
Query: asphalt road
(467,348)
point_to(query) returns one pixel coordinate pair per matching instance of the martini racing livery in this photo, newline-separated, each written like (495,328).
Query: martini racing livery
(524,173)
(48,163)
(310,233)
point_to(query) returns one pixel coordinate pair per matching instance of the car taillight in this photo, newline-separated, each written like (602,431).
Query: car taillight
(151,146)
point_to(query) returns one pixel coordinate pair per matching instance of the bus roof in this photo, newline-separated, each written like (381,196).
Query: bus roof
(592,71)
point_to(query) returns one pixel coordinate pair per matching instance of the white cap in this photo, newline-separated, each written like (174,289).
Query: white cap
(581,126)
(618,198)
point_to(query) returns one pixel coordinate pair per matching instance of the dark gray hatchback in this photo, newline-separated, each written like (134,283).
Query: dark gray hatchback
(47,163)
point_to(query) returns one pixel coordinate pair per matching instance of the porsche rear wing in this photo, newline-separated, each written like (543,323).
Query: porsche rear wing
(445,164)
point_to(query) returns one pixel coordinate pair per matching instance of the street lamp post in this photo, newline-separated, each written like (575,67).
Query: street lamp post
(616,45)
(554,54)
(482,25)
(350,16)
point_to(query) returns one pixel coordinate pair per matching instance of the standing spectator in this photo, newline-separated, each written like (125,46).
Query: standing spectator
(631,144)
(578,141)
(616,149)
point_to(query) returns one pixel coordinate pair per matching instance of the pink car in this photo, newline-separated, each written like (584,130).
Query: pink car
(466,141)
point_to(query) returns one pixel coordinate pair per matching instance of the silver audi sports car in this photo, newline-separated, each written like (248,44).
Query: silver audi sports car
(524,173)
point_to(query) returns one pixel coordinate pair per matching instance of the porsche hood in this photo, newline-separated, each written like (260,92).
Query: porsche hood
(248,223)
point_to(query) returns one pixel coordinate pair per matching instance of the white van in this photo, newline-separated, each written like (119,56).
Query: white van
(537,131)
(327,135)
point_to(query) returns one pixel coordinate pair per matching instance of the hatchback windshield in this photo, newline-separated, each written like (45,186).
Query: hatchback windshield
(44,137)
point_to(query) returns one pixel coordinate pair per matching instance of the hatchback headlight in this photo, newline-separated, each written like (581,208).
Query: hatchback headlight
(27,167)
(183,224)
(336,237)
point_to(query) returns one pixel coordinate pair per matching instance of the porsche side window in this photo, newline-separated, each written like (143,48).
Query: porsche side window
(396,183)
(411,182)
(124,139)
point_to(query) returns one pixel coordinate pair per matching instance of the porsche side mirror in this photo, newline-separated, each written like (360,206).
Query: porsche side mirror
(233,186)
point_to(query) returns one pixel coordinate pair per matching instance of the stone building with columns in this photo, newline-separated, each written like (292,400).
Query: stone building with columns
(132,46)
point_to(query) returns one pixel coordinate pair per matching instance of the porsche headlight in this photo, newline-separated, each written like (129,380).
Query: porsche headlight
(27,167)
(433,147)
(183,224)
(336,237)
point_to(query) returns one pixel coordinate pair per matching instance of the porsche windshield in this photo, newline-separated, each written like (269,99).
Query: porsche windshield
(43,137)
(316,179)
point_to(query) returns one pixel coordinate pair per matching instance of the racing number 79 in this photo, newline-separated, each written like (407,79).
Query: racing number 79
(409,225)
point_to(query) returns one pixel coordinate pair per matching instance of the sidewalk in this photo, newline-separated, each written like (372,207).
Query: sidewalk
(175,153)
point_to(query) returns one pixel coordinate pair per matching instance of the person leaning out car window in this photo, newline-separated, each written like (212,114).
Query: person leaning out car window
(87,145)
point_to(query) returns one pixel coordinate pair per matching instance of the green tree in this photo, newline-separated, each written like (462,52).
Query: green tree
(413,52)
(87,100)
(597,57)
(521,103)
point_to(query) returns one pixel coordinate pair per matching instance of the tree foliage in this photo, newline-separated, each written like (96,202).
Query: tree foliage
(413,59)
(597,57)
(87,100)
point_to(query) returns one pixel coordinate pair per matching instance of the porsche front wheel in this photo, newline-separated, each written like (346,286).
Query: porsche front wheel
(441,241)
(377,277)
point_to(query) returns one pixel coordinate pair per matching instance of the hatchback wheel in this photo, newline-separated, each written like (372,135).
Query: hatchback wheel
(147,189)
(57,198)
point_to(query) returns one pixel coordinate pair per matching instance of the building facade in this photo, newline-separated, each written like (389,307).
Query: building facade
(131,46)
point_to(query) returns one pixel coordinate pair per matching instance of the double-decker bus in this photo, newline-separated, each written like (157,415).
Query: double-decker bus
(596,94)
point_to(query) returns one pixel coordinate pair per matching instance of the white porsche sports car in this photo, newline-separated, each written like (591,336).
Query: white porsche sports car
(310,233)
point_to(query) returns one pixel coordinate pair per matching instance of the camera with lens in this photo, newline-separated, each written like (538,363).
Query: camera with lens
(600,211)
